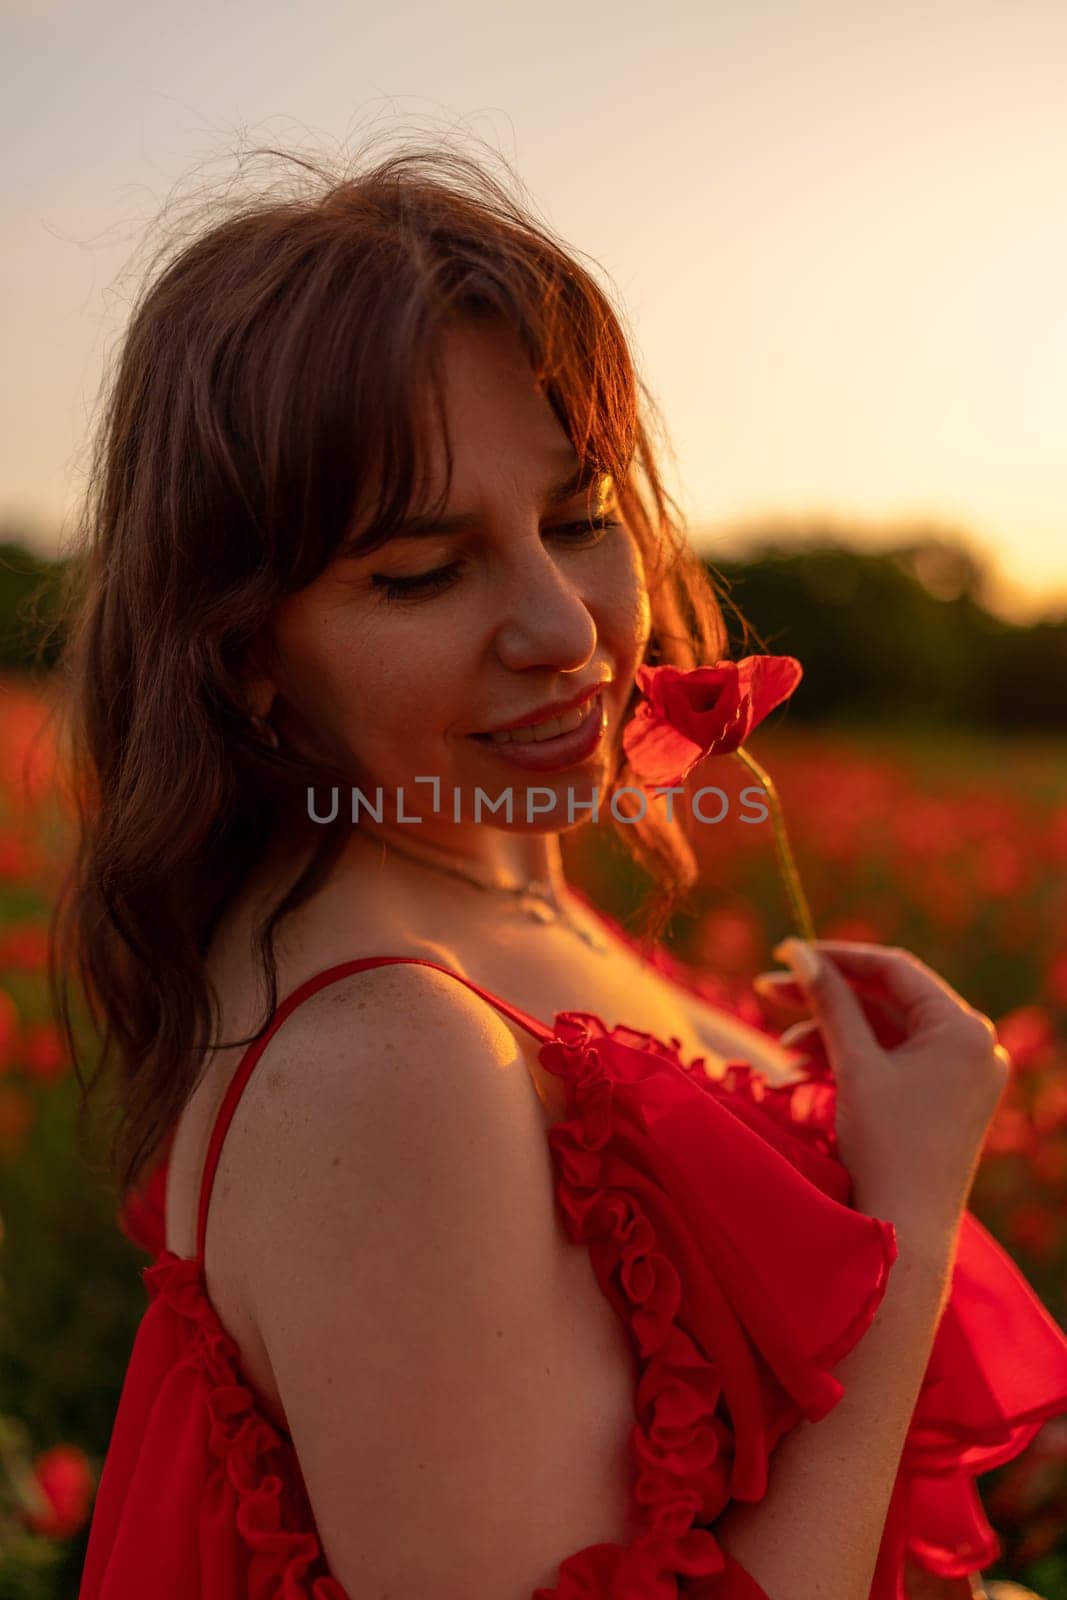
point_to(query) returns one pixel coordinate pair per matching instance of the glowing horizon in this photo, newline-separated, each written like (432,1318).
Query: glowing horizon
(834,236)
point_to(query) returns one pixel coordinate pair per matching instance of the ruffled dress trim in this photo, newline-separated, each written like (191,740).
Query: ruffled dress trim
(998,1365)
(742,1286)
(737,1303)
(718,1220)
(246,1518)
(251,1483)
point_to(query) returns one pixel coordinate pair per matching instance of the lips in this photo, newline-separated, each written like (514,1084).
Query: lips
(546,750)
(545,713)
(547,730)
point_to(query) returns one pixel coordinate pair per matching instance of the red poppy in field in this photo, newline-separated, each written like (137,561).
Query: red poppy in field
(24,945)
(1028,1035)
(687,715)
(1036,1228)
(42,1051)
(1056,978)
(16,859)
(17,1118)
(1049,1110)
(728,940)
(1011,1133)
(65,1478)
(9,1027)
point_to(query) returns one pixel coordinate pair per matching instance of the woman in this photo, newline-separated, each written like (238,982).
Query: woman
(374,485)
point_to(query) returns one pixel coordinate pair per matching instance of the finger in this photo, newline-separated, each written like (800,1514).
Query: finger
(779,988)
(784,986)
(885,1023)
(844,1027)
(922,995)
(799,1032)
(784,989)
(810,1055)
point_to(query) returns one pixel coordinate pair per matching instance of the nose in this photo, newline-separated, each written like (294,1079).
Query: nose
(542,617)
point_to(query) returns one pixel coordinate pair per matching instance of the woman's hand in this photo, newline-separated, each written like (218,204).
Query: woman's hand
(911,1115)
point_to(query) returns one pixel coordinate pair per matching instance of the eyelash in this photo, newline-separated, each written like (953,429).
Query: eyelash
(429,583)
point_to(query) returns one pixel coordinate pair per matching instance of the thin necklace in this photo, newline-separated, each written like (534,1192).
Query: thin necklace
(536,899)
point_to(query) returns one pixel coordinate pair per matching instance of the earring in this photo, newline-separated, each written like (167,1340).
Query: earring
(265,731)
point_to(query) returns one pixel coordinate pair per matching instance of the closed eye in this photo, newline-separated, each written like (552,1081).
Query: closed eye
(423,584)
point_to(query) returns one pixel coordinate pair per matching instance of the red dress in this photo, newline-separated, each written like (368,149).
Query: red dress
(718,1220)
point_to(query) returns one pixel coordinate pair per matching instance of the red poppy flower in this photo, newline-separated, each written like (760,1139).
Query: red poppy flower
(66,1481)
(704,711)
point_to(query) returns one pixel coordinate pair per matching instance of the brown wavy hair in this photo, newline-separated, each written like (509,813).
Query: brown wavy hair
(267,381)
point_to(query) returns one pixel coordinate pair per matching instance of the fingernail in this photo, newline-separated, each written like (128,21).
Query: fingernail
(799,1030)
(800,956)
(771,978)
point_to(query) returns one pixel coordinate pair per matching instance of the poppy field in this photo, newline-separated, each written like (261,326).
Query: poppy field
(952,846)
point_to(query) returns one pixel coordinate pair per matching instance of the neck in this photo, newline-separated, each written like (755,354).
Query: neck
(493,857)
(370,886)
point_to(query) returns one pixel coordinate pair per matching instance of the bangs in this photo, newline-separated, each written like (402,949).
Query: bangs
(353,357)
(270,399)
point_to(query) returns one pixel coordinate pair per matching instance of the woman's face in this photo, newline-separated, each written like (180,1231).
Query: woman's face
(529,604)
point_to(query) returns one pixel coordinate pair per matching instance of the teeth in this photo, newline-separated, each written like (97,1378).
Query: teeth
(547,730)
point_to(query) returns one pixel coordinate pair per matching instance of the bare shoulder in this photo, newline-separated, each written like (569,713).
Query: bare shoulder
(392,1005)
(375,1071)
(402,1275)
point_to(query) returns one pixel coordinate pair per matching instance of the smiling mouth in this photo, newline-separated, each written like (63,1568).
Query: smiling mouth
(542,732)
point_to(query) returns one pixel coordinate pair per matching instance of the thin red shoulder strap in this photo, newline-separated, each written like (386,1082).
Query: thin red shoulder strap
(302,992)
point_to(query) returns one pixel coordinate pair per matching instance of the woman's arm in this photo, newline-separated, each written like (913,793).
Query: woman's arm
(816,1533)
(729,1035)
(400,1260)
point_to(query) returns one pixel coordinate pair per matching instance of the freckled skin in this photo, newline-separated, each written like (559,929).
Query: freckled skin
(392,690)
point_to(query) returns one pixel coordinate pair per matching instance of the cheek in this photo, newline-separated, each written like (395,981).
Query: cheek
(623,602)
(642,627)
(339,650)
(367,689)
(401,680)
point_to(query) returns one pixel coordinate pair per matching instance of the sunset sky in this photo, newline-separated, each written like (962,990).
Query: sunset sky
(837,231)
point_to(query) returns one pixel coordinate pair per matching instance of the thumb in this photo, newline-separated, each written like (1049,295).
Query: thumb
(837,1011)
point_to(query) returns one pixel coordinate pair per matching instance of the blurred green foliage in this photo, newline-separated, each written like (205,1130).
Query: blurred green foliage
(29,592)
(902,635)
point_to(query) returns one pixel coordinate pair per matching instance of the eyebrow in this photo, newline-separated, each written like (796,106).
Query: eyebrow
(421,527)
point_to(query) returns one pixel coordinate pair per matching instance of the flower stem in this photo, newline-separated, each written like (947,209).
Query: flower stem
(801,914)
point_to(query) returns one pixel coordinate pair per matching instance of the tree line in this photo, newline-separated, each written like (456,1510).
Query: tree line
(902,635)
